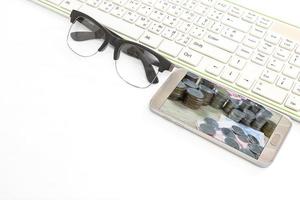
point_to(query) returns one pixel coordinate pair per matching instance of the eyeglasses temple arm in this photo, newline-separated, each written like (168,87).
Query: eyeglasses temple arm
(149,70)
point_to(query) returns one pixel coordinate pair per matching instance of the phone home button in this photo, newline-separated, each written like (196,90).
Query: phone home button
(276,140)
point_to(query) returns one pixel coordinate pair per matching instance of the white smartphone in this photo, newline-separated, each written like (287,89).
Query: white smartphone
(238,124)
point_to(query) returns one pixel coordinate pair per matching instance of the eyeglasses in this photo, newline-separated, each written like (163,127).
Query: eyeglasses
(136,64)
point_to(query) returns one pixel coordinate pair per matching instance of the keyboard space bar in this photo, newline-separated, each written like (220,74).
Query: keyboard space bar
(113,23)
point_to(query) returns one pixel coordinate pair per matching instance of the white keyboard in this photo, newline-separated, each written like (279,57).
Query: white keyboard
(250,53)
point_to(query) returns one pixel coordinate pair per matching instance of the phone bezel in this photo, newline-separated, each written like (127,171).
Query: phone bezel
(270,150)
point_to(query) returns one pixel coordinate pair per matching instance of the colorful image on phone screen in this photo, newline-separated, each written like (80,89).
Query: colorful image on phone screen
(224,115)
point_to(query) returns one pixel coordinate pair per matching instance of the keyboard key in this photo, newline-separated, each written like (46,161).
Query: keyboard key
(151,40)
(162,5)
(71,5)
(296,89)
(189,56)
(235,11)
(210,51)
(170,48)
(169,33)
(118,11)
(184,26)
(273,38)
(183,39)
(251,41)
(130,17)
(189,4)
(233,34)
(237,62)
(222,6)
(266,48)
(229,74)
(275,65)
(287,44)
(94,3)
(258,32)
(269,76)
(133,5)
(244,52)
(236,23)
(285,83)
(201,9)
(295,60)
(293,102)
(156,28)
(144,10)
(250,17)
(175,10)
(157,15)
(221,42)
(197,32)
(264,22)
(270,92)
(214,69)
(120,2)
(170,21)
(203,22)
(215,15)
(297,50)
(291,71)
(149,2)
(143,22)
(282,54)
(216,27)
(259,58)
(245,81)
(188,16)
(208,2)
(106,6)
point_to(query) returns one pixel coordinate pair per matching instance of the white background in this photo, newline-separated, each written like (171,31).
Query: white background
(71,129)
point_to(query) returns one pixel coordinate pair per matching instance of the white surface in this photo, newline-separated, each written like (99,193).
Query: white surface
(71,129)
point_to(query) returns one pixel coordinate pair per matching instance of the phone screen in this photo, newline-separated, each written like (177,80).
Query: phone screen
(222,114)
